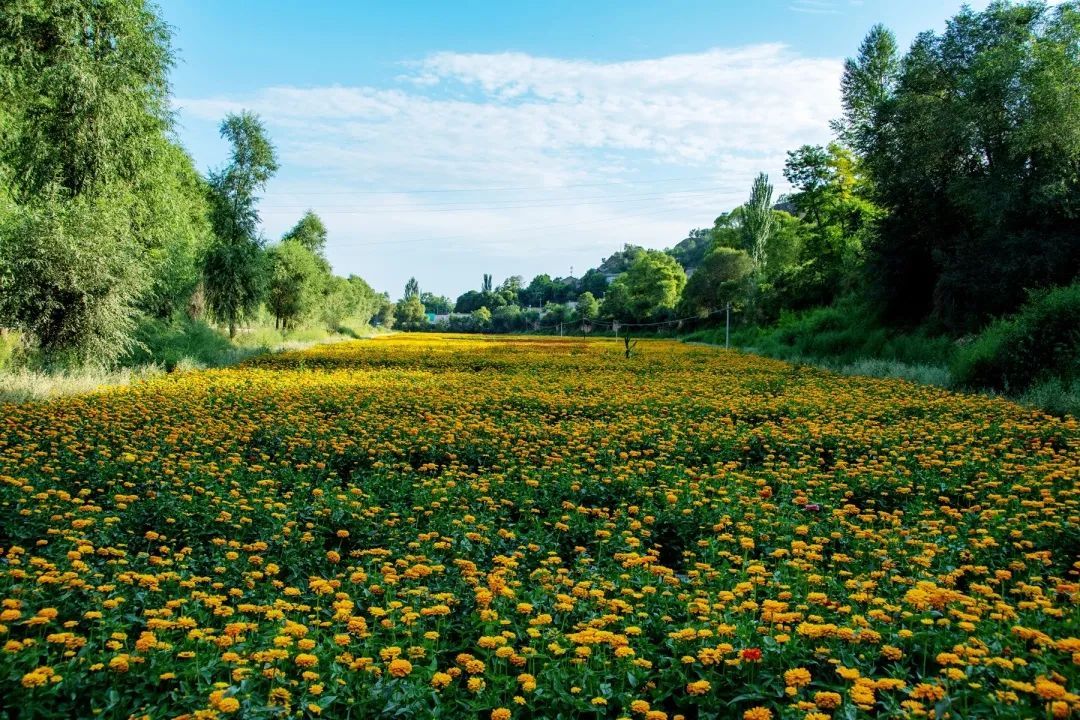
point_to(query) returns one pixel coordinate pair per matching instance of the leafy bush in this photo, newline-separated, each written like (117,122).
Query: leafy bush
(182,343)
(1040,342)
(845,332)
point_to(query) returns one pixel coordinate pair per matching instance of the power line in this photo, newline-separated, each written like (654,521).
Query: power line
(462,207)
(417,191)
(409,241)
(613,323)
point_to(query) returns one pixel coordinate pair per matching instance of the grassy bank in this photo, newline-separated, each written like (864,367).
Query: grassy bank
(1032,357)
(164,347)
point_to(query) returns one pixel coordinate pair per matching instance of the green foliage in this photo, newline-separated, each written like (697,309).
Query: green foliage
(339,300)
(294,284)
(367,301)
(481,319)
(235,280)
(234,266)
(557,314)
(310,232)
(649,290)
(508,318)
(973,150)
(757,220)
(181,342)
(1039,342)
(409,313)
(436,303)
(384,314)
(845,332)
(720,279)
(595,282)
(866,85)
(9,347)
(102,214)
(587,306)
(171,217)
(1054,395)
(86,83)
(539,291)
(692,250)
(621,261)
(74,276)
(235,188)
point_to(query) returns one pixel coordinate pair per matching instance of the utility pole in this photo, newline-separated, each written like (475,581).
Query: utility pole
(727,326)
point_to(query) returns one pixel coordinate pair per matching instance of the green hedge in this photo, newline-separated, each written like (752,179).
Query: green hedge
(1040,342)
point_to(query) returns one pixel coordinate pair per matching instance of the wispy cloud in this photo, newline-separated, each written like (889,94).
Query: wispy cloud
(816,7)
(572,131)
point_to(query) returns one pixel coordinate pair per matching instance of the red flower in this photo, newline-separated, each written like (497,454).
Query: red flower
(751,654)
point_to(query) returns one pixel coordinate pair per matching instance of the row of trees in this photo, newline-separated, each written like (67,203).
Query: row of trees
(951,190)
(103,217)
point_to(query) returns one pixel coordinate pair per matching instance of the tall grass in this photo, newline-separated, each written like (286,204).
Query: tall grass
(176,345)
(18,385)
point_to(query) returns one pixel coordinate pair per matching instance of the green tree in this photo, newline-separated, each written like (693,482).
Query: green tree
(437,304)
(692,250)
(295,282)
(557,314)
(481,319)
(540,290)
(234,268)
(309,232)
(973,152)
(368,302)
(588,308)
(757,220)
(595,282)
(469,301)
(409,313)
(170,215)
(339,301)
(410,309)
(720,279)
(72,282)
(649,290)
(866,85)
(384,316)
(507,318)
(91,190)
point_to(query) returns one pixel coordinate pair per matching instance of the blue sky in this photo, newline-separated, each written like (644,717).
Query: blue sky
(444,140)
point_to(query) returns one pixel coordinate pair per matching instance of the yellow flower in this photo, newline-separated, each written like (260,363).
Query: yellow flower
(797,677)
(699,687)
(399,667)
(827,700)
(306,660)
(500,714)
(758,713)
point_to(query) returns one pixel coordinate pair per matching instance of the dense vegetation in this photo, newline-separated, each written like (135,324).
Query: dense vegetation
(947,203)
(932,230)
(426,526)
(106,227)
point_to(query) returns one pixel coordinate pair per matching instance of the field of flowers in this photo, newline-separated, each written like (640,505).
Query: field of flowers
(438,526)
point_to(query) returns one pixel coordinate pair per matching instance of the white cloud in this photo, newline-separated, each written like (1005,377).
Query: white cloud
(456,120)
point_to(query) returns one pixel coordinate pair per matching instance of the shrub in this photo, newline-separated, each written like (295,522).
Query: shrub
(1040,342)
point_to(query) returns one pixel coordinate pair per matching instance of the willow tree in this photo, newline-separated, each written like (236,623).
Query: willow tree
(234,269)
(92,196)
